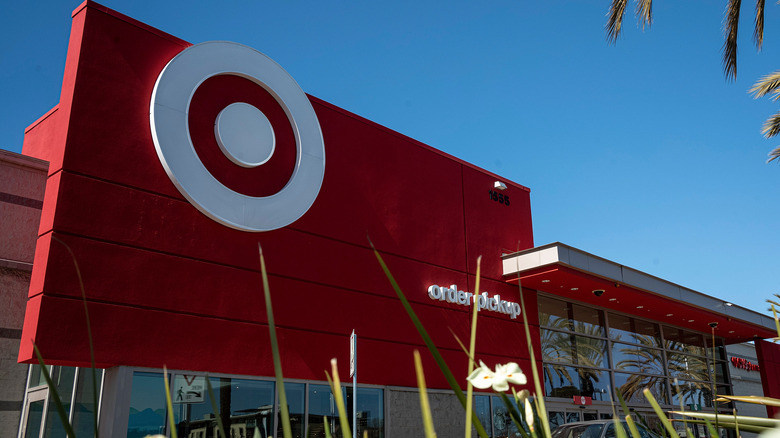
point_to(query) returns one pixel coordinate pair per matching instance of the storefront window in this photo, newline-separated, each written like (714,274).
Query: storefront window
(553,313)
(634,331)
(637,359)
(566,382)
(63,378)
(503,426)
(84,406)
(631,387)
(482,409)
(587,321)
(147,405)
(684,341)
(687,367)
(296,394)
(693,395)
(245,406)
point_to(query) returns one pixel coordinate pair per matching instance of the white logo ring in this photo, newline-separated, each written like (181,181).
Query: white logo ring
(169,122)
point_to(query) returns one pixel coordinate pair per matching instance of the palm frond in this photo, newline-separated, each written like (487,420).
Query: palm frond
(771,126)
(758,31)
(768,84)
(775,154)
(730,45)
(615,23)
(644,12)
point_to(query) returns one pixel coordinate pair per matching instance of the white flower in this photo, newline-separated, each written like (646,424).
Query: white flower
(483,378)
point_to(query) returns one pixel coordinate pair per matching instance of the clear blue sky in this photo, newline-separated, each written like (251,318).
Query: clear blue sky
(641,153)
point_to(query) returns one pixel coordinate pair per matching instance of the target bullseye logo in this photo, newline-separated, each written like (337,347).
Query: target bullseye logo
(243,134)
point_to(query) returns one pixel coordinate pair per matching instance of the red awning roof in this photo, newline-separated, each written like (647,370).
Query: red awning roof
(573,274)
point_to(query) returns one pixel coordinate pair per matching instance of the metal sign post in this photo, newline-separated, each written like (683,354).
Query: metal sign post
(353,374)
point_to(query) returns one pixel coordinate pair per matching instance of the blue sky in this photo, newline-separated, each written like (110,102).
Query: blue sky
(641,152)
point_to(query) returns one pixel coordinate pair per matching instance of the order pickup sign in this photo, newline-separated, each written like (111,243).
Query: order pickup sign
(189,389)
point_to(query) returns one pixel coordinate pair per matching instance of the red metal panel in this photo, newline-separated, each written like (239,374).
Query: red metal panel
(768,355)
(167,285)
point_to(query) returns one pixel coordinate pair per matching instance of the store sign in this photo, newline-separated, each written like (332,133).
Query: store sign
(744,364)
(243,132)
(485,302)
(582,400)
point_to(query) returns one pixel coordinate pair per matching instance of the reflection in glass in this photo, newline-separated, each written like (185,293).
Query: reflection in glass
(370,411)
(632,385)
(572,349)
(587,320)
(556,419)
(84,408)
(245,407)
(321,403)
(684,341)
(34,417)
(638,359)
(147,405)
(634,331)
(692,393)
(566,382)
(503,426)
(482,409)
(296,393)
(553,313)
(64,379)
(687,367)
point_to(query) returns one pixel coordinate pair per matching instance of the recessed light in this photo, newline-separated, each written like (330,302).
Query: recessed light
(670,314)
(729,304)
(640,307)
(690,320)
(575,288)
(731,331)
(613,299)
(545,281)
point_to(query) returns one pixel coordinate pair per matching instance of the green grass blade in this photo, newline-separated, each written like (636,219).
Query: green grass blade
(169,404)
(425,406)
(286,429)
(472,346)
(632,426)
(660,414)
(55,395)
(335,387)
(730,425)
(326,426)
(429,342)
(767,401)
(743,420)
(215,408)
(89,331)
(620,432)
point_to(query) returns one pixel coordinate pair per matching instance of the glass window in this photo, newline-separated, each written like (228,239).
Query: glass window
(694,395)
(631,387)
(587,320)
(684,341)
(688,367)
(296,393)
(557,347)
(503,425)
(34,417)
(553,313)
(147,405)
(591,352)
(36,376)
(556,419)
(321,404)
(245,406)
(482,409)
(637,359)
(63,379)
(370,411)
(85,406)
(566,382)
(636,331)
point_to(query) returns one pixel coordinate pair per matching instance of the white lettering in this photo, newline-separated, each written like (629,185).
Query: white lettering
(482,301)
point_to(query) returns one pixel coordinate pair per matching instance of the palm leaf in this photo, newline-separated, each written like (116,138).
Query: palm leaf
(775,154)
(758,31)
(771,126)
(766,85)
(644,12)
(730,45)
(615,23)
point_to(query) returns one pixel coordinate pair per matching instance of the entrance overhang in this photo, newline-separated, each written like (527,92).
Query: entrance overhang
(570,273)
